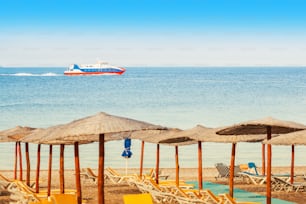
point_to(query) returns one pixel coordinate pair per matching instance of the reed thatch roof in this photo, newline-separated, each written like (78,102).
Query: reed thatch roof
(260,127)
(205,134)
(293,138)
(15,134)
(88,129)
(170,137)
(46,136)
(178,137)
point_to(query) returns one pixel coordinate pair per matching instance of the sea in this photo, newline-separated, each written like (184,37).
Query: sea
(177,97)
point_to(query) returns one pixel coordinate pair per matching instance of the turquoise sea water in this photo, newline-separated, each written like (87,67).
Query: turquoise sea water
(174,97)
(240,195)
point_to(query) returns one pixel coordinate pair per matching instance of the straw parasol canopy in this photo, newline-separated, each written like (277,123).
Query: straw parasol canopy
(88,129)
(103,123)
(172,137)
(260,127)
(4,138)
(50,136)
(15,134)
(205,134)
(293,138)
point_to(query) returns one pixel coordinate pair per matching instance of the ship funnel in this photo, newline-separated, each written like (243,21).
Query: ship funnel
(75,66)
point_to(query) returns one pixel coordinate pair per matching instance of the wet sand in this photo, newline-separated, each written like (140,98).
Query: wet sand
(114,192)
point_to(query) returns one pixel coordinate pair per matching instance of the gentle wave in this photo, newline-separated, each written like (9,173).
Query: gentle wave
(31,74)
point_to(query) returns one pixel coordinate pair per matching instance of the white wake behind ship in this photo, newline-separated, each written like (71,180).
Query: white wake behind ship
(100,68)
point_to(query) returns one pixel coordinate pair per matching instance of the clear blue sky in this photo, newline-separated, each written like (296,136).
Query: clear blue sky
(153,32)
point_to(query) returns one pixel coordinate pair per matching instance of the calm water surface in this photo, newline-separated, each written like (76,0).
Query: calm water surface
(174,97)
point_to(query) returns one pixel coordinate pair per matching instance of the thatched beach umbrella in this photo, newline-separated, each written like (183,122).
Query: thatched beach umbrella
(147,136)
(14,135)
(267,126)
(294,138)
(204,134)
(100,127)
(166,137)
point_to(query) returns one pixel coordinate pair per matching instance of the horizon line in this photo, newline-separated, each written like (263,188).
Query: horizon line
(174,66)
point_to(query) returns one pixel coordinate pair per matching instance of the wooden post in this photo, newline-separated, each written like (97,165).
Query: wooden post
(263,152)
(20,162)
(232,169)
(61,170)
(157,164)
(141,158)
(177,167)
(200,168)
(37,169)
(28,164)
(101,170)
(292,165)
(49,170)
(77,173)
(269,165)
(16,158)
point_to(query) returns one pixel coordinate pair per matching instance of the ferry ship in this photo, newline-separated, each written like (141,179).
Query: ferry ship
(101,68)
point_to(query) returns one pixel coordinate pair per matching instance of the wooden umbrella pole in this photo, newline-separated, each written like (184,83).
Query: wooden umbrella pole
(28,163)
(101,170)
(292,165)
(269,165)
(177,167)
(49,170)
(16,158)
(263,152)
(200,165)
(37,169)
(77,173)
(157,164)
(141,158)
(232,169)
(62,178)
(20,162)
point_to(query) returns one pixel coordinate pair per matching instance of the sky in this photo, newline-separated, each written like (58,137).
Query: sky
(47,33)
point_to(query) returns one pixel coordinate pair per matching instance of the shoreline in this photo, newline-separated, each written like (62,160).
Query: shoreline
(189,173)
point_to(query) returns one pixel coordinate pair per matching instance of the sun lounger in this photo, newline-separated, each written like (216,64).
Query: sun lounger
(174,193)
(159,194)
(187,198)
(227,199)
(117,178)
(224,170)
(253,178)
(161,175)
(144,198)
(4,178)
(170,193)
(88,174)
(209,197)
(23,193)
(182,184)
(280,184)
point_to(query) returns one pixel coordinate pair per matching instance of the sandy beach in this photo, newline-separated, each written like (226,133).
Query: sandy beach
(114,192)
